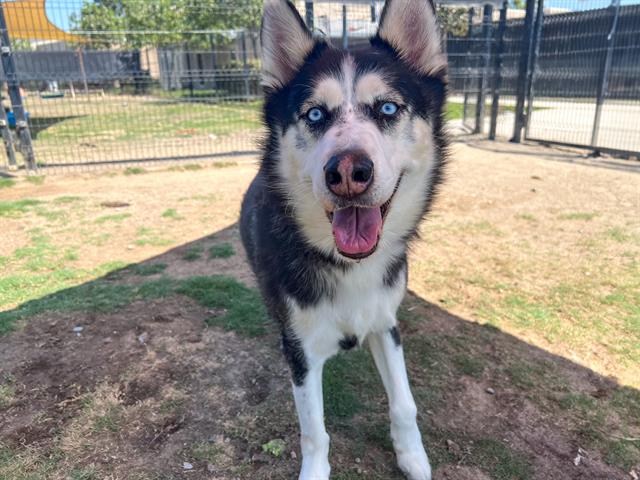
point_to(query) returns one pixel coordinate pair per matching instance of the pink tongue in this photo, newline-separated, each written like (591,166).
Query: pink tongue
(356,229)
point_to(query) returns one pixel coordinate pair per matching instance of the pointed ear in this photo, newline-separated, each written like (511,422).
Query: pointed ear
(411,28)
(286,42)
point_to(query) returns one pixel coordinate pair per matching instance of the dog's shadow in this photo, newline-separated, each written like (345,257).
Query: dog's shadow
(173,360)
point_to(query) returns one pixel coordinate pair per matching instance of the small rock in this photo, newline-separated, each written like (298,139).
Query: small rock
(533,190)
(490,391)
(453,447)
(187,466)
(211,468)
(633,474)
(359,471)
(293,455)
(358,460)
(78,329)
(131,247)
(143,337)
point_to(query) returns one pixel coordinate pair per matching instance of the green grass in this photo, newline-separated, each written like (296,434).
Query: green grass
(192,254)
(349,379)
(241,308)
(17,208)
(527,216)
(172,213)
(152,120)
(499,460)
(585,216)
(224,250)
(66,199)
(148,236)
(148,269)
(6,182)
(115,218)
(35,179)
(617,234)
(134,171)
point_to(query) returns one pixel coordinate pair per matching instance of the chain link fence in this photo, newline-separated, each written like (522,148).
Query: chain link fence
(90,83)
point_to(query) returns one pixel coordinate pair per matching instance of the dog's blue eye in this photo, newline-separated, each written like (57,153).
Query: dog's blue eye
(389,108)
(315,115)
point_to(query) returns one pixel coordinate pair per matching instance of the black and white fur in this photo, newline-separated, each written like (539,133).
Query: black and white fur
(323,300)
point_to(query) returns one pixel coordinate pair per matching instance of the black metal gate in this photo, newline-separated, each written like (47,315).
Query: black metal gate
(585,88)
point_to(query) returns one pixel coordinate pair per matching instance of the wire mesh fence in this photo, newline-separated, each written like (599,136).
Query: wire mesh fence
(100,82)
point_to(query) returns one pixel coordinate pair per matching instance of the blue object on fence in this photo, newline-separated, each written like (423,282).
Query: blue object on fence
(11,118)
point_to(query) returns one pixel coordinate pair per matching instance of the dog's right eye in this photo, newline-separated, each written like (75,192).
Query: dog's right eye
(315,115)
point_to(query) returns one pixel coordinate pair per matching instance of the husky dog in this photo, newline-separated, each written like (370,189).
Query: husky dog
(353,156)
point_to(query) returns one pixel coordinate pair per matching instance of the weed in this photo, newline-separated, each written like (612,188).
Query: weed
(224,250)
(206,452)
(110,421)
(64,200)
(172,213)
(617,234)
(192,167)
(586,216)
(88,473)
(6,182)
(224,164)
(134,171)
(35,179)
(116,217)
(527,216)
(275,447)
(7,395)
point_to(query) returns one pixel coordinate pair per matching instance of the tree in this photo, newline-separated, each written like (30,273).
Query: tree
(454,20)
(139,23)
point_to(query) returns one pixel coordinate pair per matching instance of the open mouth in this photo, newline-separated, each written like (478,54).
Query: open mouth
(357,230)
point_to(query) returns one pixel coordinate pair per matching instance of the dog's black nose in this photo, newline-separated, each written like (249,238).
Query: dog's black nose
(349,173)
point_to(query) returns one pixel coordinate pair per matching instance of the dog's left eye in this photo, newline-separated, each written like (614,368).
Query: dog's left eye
(389,108)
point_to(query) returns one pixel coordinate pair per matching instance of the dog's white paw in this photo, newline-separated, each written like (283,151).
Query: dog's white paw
(415,465)
(315,469)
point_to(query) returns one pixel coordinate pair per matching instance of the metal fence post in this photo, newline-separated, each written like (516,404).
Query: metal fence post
(523,64)
(603,85)
(487,14)
(465,106)
(497,69)
(308,14)
(345,33)
(8,139)
(11,74)
(533,64)
(245,66)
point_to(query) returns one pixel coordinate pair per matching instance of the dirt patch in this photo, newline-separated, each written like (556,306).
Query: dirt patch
(144,389)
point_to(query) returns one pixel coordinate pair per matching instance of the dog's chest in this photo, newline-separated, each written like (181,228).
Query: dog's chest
(361,304)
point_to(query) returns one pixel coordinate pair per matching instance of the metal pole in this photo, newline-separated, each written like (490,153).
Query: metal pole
(521,87)
(533,64)
(345,35)
(83,72)
(13,84)
(373,11)
(245,65)
(604,77)
(487,15)
(465,106)
(308,14)
(497,69)
(8,139)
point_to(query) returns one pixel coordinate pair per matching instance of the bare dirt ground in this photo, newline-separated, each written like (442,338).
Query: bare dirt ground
(133,348)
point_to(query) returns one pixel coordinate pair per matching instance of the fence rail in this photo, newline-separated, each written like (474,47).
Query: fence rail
(93,85)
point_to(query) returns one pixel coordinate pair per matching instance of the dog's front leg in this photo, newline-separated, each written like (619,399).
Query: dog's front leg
(407,442)
(314,440)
